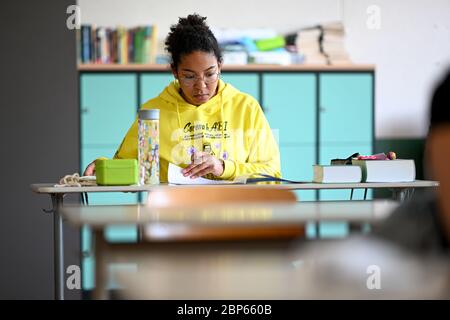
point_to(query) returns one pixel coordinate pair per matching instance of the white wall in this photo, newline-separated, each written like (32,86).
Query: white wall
(411,48)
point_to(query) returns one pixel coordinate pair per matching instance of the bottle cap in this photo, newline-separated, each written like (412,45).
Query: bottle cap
(149,114)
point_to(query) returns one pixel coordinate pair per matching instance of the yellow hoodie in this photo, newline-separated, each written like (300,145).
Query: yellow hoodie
(231,126)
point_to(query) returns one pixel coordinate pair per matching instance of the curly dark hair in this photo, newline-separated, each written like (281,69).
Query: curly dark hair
(188,35)
(440,113)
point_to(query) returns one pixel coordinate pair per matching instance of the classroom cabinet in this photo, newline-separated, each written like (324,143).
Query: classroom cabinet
(296,162)
(345,127)
(316,115)
(345,121)
(322,115)
(151,85)
(108,105)
(245,82)
(289,103)
(345,108)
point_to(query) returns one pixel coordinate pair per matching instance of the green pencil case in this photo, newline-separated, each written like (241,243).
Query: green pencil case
(116,172)
(270,44)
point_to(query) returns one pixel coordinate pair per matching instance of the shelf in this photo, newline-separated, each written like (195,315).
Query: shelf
(248,67)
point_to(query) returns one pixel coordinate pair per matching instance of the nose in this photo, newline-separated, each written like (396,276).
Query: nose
(200,83)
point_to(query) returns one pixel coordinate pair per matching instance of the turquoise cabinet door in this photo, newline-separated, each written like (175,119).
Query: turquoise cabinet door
(346,127)
(245,82)
(346,110)
(333,229)
(346,122)
(112,233)
(121,234)
(296,164)
(87,259)
(152,84)
(108,107)
(290,106)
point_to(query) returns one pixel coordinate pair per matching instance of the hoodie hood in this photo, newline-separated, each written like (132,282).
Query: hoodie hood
(175,101)
(172,96)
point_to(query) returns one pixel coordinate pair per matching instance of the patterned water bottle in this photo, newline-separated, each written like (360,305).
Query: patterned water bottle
(148,146)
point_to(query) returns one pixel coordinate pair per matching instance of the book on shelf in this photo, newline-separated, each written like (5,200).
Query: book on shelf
(78,44)
(117,45)
(333,28)
(399,170)
(336,174)
(323,44)
(333,43)
(308,44)
(85,43)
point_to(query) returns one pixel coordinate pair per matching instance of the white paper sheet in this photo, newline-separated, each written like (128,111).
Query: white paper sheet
(175,176)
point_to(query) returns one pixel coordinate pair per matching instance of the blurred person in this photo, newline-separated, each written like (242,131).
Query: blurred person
(421,224)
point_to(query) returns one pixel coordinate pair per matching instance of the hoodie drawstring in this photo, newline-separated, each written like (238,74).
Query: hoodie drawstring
(222,140)
(178,114)
(222,121)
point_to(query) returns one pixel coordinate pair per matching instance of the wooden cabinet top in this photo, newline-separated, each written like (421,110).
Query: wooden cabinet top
(237,68)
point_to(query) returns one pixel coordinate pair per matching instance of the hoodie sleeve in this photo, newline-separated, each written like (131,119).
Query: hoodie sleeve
(128,147)
(264,155)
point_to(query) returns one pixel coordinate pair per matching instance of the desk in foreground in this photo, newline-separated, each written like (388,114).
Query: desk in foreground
(172,266)
(99,217)
(243,221)
(357,268)
(400,190)
(221,234)
(49,188)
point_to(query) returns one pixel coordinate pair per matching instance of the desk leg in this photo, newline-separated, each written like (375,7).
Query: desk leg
(100,247)
(402,194)
(58,246)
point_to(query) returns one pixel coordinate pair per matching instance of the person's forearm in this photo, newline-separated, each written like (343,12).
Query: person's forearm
(235,169)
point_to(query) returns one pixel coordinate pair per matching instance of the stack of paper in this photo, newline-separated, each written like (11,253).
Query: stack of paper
(175,176)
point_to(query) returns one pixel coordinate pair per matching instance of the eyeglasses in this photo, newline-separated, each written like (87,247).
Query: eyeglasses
(208,78)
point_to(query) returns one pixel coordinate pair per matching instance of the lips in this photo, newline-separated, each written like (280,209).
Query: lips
(201,96)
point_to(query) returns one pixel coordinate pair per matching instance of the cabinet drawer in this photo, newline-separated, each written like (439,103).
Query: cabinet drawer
(290,106)
(245,82)
(108,107)
(346,107)
(152,84)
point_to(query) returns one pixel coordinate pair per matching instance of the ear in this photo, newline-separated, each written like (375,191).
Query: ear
(174,71)
(220,66)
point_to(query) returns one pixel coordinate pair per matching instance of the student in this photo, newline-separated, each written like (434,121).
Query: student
(419,224)
(206,125)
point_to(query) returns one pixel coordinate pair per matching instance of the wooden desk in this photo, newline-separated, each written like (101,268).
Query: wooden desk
(315,270)
(48,188)
(172,231)
(400,190)
(169,267)
(358,211)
